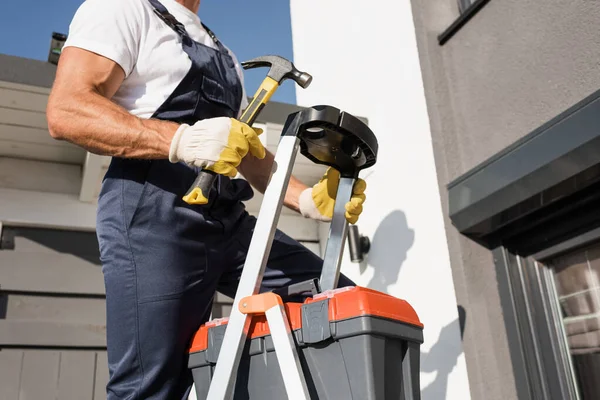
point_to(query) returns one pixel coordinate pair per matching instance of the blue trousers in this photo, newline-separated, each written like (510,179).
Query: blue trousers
(162,261)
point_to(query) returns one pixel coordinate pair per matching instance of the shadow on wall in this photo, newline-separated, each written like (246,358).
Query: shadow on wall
(442,358)
(390,244)
(389,247)
(83,245)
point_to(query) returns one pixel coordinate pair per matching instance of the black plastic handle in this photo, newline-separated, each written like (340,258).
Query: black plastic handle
(199,191)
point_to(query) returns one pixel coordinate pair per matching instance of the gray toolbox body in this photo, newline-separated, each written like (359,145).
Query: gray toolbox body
(361,357)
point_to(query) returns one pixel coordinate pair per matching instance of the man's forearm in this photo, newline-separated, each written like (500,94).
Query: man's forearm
(80,110)
(292,195)
(257,173)
(100,126)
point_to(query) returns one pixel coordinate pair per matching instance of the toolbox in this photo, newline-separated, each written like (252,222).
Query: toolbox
(354,344)
(349,343)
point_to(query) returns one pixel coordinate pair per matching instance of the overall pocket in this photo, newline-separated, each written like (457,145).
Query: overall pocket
(214,100)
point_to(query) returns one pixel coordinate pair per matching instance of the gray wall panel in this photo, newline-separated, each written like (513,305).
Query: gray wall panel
(51,333)
(81,244)
(101,376)
(29,72)
(511,68)
(76,377)
(221,310)
(53,308)
(49,273)
(11,362)
(46,374)
(39,374)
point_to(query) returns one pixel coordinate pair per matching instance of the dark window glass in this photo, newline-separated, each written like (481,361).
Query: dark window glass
(578,286)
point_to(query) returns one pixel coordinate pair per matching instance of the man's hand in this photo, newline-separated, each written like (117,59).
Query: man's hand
(218,144)
(318,202)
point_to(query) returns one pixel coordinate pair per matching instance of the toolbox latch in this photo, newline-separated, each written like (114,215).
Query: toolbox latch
(315,321)
(215,340)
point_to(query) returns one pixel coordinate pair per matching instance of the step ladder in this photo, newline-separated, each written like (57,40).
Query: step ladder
(297,332)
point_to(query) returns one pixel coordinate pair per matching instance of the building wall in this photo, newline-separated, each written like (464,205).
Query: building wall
(363,57)
(52,313)
(512,67)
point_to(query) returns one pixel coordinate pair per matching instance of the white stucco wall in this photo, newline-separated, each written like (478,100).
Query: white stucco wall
(363,57)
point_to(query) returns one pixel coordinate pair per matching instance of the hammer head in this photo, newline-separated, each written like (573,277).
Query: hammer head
(280,69)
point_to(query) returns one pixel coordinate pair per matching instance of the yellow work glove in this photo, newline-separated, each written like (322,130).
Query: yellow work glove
(318,202)
(217,144)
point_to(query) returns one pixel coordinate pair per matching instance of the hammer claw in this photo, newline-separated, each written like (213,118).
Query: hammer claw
(280,69)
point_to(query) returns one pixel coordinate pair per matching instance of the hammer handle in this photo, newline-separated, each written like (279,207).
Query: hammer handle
(199,192)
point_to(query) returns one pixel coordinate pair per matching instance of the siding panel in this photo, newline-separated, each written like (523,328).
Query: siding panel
(298,227)
(49,273)
(23,100)
(50,333)
(41,152)
(53,308)
(40,176)
(76,377)
(11,362)
(39,375)
(33,119)
(101,377)
(24,134)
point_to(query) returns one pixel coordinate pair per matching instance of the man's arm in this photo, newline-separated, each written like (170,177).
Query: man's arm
(318,202)
(80,110)
(257,172)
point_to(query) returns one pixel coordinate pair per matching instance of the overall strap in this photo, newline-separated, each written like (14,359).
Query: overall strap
(178,27)
(212,35)
(220,45)
(168,18)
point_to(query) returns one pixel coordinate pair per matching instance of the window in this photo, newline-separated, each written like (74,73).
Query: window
(537,342)
(552,304)
(577,276)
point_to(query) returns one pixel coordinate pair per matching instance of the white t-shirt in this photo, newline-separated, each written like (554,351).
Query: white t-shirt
(149,51)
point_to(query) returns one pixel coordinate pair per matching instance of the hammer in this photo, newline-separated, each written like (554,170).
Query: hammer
(280,70)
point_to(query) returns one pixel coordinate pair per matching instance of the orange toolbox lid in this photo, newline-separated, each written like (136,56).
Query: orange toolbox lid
(344,303)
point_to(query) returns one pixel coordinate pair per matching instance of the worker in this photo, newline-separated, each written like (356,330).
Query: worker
(147,83)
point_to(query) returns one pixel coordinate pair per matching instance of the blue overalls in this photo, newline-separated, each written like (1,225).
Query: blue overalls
(163,259)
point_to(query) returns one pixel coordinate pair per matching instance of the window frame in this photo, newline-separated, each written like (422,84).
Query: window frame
(467,11)
(537,341)
(463,5)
